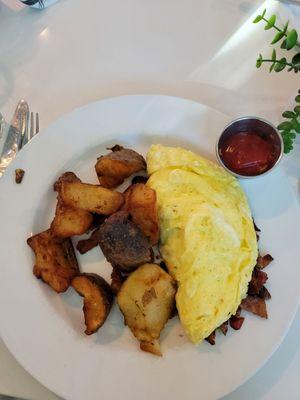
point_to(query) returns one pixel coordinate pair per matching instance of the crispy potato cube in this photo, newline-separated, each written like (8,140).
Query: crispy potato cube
(123,243)
(146,300)
(65,177)
(70,221)
(55,262)
(98,299)
(91,198)
(140,202)
(113,168)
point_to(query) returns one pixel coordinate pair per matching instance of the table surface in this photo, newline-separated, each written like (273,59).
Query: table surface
(76,52)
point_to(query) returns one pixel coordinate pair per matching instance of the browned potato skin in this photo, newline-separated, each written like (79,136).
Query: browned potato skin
(92,198)
(85,245)
(98,299)
(65,177)
(113,168)
(146,300)
(70,221)
(140,202)
(55,262)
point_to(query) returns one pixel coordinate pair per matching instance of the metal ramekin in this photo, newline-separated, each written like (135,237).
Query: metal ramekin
(259,125)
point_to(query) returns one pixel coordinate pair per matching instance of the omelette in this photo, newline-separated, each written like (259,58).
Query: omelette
(207,236)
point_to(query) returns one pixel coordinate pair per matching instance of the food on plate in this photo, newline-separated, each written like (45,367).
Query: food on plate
(93,198)
(69,221)
(117,280)
(123,243)
(224,328)
(258,279)
(211,339)
(146,300)
(19,175)
(255,305)
(263,262)
(207,236)
(236,322)
(140,202)
(55,262)
(118,165)
(85,245)
(98,299)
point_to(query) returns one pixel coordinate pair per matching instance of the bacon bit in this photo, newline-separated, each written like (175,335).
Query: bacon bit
(256,305)
(211,339)
(224,327)
(259,278)
(117,280)
(19,175)
(83,246)
(264,293)
(256,227)
(238,312)
(236,322)
(264,261)
(257,236)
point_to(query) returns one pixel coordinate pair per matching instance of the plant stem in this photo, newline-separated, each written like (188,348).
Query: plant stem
(276,61)
(275,27)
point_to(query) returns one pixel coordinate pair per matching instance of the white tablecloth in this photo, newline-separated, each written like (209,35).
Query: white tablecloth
(79,51)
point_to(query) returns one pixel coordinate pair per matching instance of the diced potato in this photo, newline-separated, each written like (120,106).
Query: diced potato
(146,300)
(93,198)
(70,221)
(140,202)
(98,299)
(55,262)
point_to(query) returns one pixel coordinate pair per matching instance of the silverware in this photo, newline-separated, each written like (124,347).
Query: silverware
(19,133)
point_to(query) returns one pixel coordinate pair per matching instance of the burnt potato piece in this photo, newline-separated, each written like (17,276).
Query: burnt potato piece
(69,221)
(140,202)
(146,300)
(118,165)
(123,243)
(92,198)
(85,245)
(55,262)
(98,299)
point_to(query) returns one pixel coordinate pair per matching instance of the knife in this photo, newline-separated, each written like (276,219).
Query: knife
(16,135)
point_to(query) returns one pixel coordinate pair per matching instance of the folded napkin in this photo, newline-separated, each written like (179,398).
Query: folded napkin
(38,3)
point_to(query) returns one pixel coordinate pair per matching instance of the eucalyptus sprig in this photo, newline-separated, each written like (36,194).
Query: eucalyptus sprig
(289,41)
(291,126)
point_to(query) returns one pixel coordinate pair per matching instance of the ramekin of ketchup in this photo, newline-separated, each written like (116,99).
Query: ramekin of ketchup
(249,147)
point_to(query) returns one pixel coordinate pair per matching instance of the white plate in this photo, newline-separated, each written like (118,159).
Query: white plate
(44,330)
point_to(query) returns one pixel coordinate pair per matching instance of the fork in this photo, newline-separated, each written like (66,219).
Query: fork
(32,127)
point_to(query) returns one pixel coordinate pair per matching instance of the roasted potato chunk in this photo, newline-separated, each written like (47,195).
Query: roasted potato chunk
(140,202)
(93,198)
(113,168)
(98,299)
(70,221)
(123,243)
(55,262)
(85,245)
(65,177)
(146,300)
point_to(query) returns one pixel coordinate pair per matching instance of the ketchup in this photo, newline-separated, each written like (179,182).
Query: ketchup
(247,153)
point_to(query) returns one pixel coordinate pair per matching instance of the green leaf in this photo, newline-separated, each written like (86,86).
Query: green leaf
(259,61)
(297,110)
(296,60)
(257,19)
(291,39)
(277,37)
(283,44)
(280,65)
(272,67)
(288,114)
(297,98)
(264,12)
(285,28)
(283,126)
(271,22)
(296,126)
(274,55)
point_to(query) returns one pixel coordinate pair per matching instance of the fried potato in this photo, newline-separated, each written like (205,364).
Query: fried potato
(140,202)
(55,262)
(98,299)
(65,177)
(123,243)
(117,280)
(91,198)
(113,168)
(69,221)
(85,245)
(146,300)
